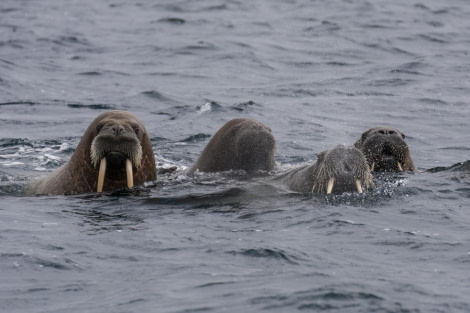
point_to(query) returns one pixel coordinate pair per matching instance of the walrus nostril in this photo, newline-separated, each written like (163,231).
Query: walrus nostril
(117,129)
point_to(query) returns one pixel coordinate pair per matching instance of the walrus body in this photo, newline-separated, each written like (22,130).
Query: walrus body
(386,150)
(337,170)
(240,144)
(114,153)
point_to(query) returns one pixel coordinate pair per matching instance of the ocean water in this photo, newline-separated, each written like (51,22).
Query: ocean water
(318,73)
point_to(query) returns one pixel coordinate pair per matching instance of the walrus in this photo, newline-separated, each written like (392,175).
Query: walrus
(337,170)
(386,150)
(114,153)
(240,144)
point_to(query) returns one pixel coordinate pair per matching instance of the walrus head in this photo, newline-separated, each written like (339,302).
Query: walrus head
(115,152)
(341,169)
(385,150)
(116,149)
(116,143)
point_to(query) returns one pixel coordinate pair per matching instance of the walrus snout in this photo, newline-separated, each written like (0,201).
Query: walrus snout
(117,144)
(387,155)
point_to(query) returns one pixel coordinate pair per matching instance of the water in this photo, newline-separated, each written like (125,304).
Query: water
(319,73)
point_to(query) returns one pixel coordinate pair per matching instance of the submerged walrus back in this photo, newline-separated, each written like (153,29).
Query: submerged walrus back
(240,144)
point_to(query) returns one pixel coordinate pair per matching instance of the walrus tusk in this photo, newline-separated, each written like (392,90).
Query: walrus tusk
(358,185)
(101,175)
(400,168)
(372,167)
(130,178)
(329,188)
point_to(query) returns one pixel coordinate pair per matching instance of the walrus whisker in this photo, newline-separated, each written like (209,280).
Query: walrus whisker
(317,187)
(329,188)
(130,178)
(101,175)
(318,179)
(400,168)
(358,185)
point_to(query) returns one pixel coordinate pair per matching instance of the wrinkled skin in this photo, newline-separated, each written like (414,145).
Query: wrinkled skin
(117,136)
(240,144)
(337,170)
(386,150)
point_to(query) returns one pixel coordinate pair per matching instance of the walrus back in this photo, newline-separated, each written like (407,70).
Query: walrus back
(255,148)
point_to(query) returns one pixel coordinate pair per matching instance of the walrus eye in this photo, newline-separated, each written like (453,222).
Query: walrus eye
(403,136)
(98,128)
(136,130)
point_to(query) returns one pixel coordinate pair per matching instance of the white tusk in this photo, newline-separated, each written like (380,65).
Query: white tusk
(329,188)
(358,185)
(130,177)
(101,173)
(372,167)
(400,168)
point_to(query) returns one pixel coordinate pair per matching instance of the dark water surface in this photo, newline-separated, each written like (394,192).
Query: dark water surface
(319,73)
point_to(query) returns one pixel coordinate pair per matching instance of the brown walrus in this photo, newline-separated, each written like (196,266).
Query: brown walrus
(385,150)
(337,170)
(240,144)
(114,153)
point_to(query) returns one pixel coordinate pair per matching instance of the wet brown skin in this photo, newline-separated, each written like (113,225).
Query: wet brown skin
(386,150)
(344,165)
(240,144)
(116,135)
